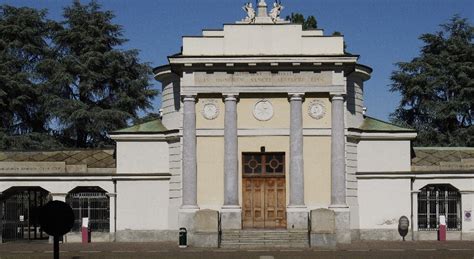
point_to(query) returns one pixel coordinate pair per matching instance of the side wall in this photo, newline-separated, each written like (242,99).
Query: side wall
(381,203)
(142,157)
(383,156)
(142,210)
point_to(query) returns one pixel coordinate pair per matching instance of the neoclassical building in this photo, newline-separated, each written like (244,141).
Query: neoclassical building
(263,137)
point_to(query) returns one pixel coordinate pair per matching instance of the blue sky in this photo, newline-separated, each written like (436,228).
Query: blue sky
(382,32)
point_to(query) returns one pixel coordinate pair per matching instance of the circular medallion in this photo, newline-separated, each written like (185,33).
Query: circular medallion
(316,109)
(263,110)
(210,110)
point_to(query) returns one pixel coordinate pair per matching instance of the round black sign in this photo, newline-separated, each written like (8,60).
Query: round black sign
(56,218)
(403,224)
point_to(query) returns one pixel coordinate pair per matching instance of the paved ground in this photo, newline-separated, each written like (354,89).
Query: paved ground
(385,250)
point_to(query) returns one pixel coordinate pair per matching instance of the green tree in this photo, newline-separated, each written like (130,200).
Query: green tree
(93,86)
(23,46)
(308,23)
(437,87)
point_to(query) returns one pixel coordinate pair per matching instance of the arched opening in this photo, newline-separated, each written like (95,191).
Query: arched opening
(435,200)
(20,213)
(92,203)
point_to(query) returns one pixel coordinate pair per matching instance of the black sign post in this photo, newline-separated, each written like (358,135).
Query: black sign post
(56,219)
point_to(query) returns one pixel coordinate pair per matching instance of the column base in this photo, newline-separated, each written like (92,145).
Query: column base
(186,216)
(297,217)
(343,223)
(231,217)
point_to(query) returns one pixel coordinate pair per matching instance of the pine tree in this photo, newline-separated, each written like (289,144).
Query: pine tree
(23,46)
(93,86)
(437,87)
(309,23)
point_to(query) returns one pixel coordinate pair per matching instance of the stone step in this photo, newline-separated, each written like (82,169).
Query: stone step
(264,239)
(256,246)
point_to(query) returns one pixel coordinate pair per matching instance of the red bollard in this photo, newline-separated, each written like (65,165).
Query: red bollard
(442,233)
(85,235)
(85,231)
(442,228)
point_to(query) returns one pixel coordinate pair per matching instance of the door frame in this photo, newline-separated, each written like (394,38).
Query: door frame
(263,173)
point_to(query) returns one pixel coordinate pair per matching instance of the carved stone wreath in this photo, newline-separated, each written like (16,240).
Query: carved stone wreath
(316,109)
(210,110)
(263,110)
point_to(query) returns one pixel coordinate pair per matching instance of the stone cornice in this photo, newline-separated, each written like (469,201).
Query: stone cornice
(415,175)
(260,62)
(146,137)
(381,135)
(85,177)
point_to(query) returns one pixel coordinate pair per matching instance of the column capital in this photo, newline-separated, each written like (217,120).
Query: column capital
(295,96)
(230,97)
(111,195)
(337,96)
(188,98)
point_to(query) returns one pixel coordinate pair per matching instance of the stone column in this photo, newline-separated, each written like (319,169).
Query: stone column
(189,153)
(296,151)
(338,163)
(297,214)
(112,197)
(189,167)
(338,171)
(231,211)
(231,175)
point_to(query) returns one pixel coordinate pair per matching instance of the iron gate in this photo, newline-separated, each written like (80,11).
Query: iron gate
(20,208)
(90,204)
(435,200)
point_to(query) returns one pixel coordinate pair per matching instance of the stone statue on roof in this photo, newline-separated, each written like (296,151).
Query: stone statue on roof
(276,10)
(248,8)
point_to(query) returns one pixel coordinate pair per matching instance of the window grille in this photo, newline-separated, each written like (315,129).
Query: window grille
(92,203)
(264,164)
(436,200)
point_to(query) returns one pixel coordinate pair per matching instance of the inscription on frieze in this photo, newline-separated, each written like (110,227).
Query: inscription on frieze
(263,79)
(32,167)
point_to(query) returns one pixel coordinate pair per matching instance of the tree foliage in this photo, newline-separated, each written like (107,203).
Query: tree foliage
(437,87)
(67,80)
(308,23)
(23,47)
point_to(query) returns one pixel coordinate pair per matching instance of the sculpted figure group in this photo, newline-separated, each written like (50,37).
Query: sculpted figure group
(276,10)
(274,13)
(248,8)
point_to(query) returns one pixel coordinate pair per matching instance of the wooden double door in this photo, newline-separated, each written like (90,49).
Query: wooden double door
(264,190)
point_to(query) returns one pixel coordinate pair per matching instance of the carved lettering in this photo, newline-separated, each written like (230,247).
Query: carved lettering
(262,79)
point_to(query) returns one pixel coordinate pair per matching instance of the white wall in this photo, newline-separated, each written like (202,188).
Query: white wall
(284,39)
(142,205)
(382,202)
(142,157)
(383,155)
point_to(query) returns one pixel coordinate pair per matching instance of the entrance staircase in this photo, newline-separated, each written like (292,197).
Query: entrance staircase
(264,239)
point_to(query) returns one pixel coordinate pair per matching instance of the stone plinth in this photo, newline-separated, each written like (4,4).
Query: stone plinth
(323,228)
(231,218)
(343,226)
(297,218)
(206,232)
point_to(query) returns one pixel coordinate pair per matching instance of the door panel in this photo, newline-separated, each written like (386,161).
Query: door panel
(264,203)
